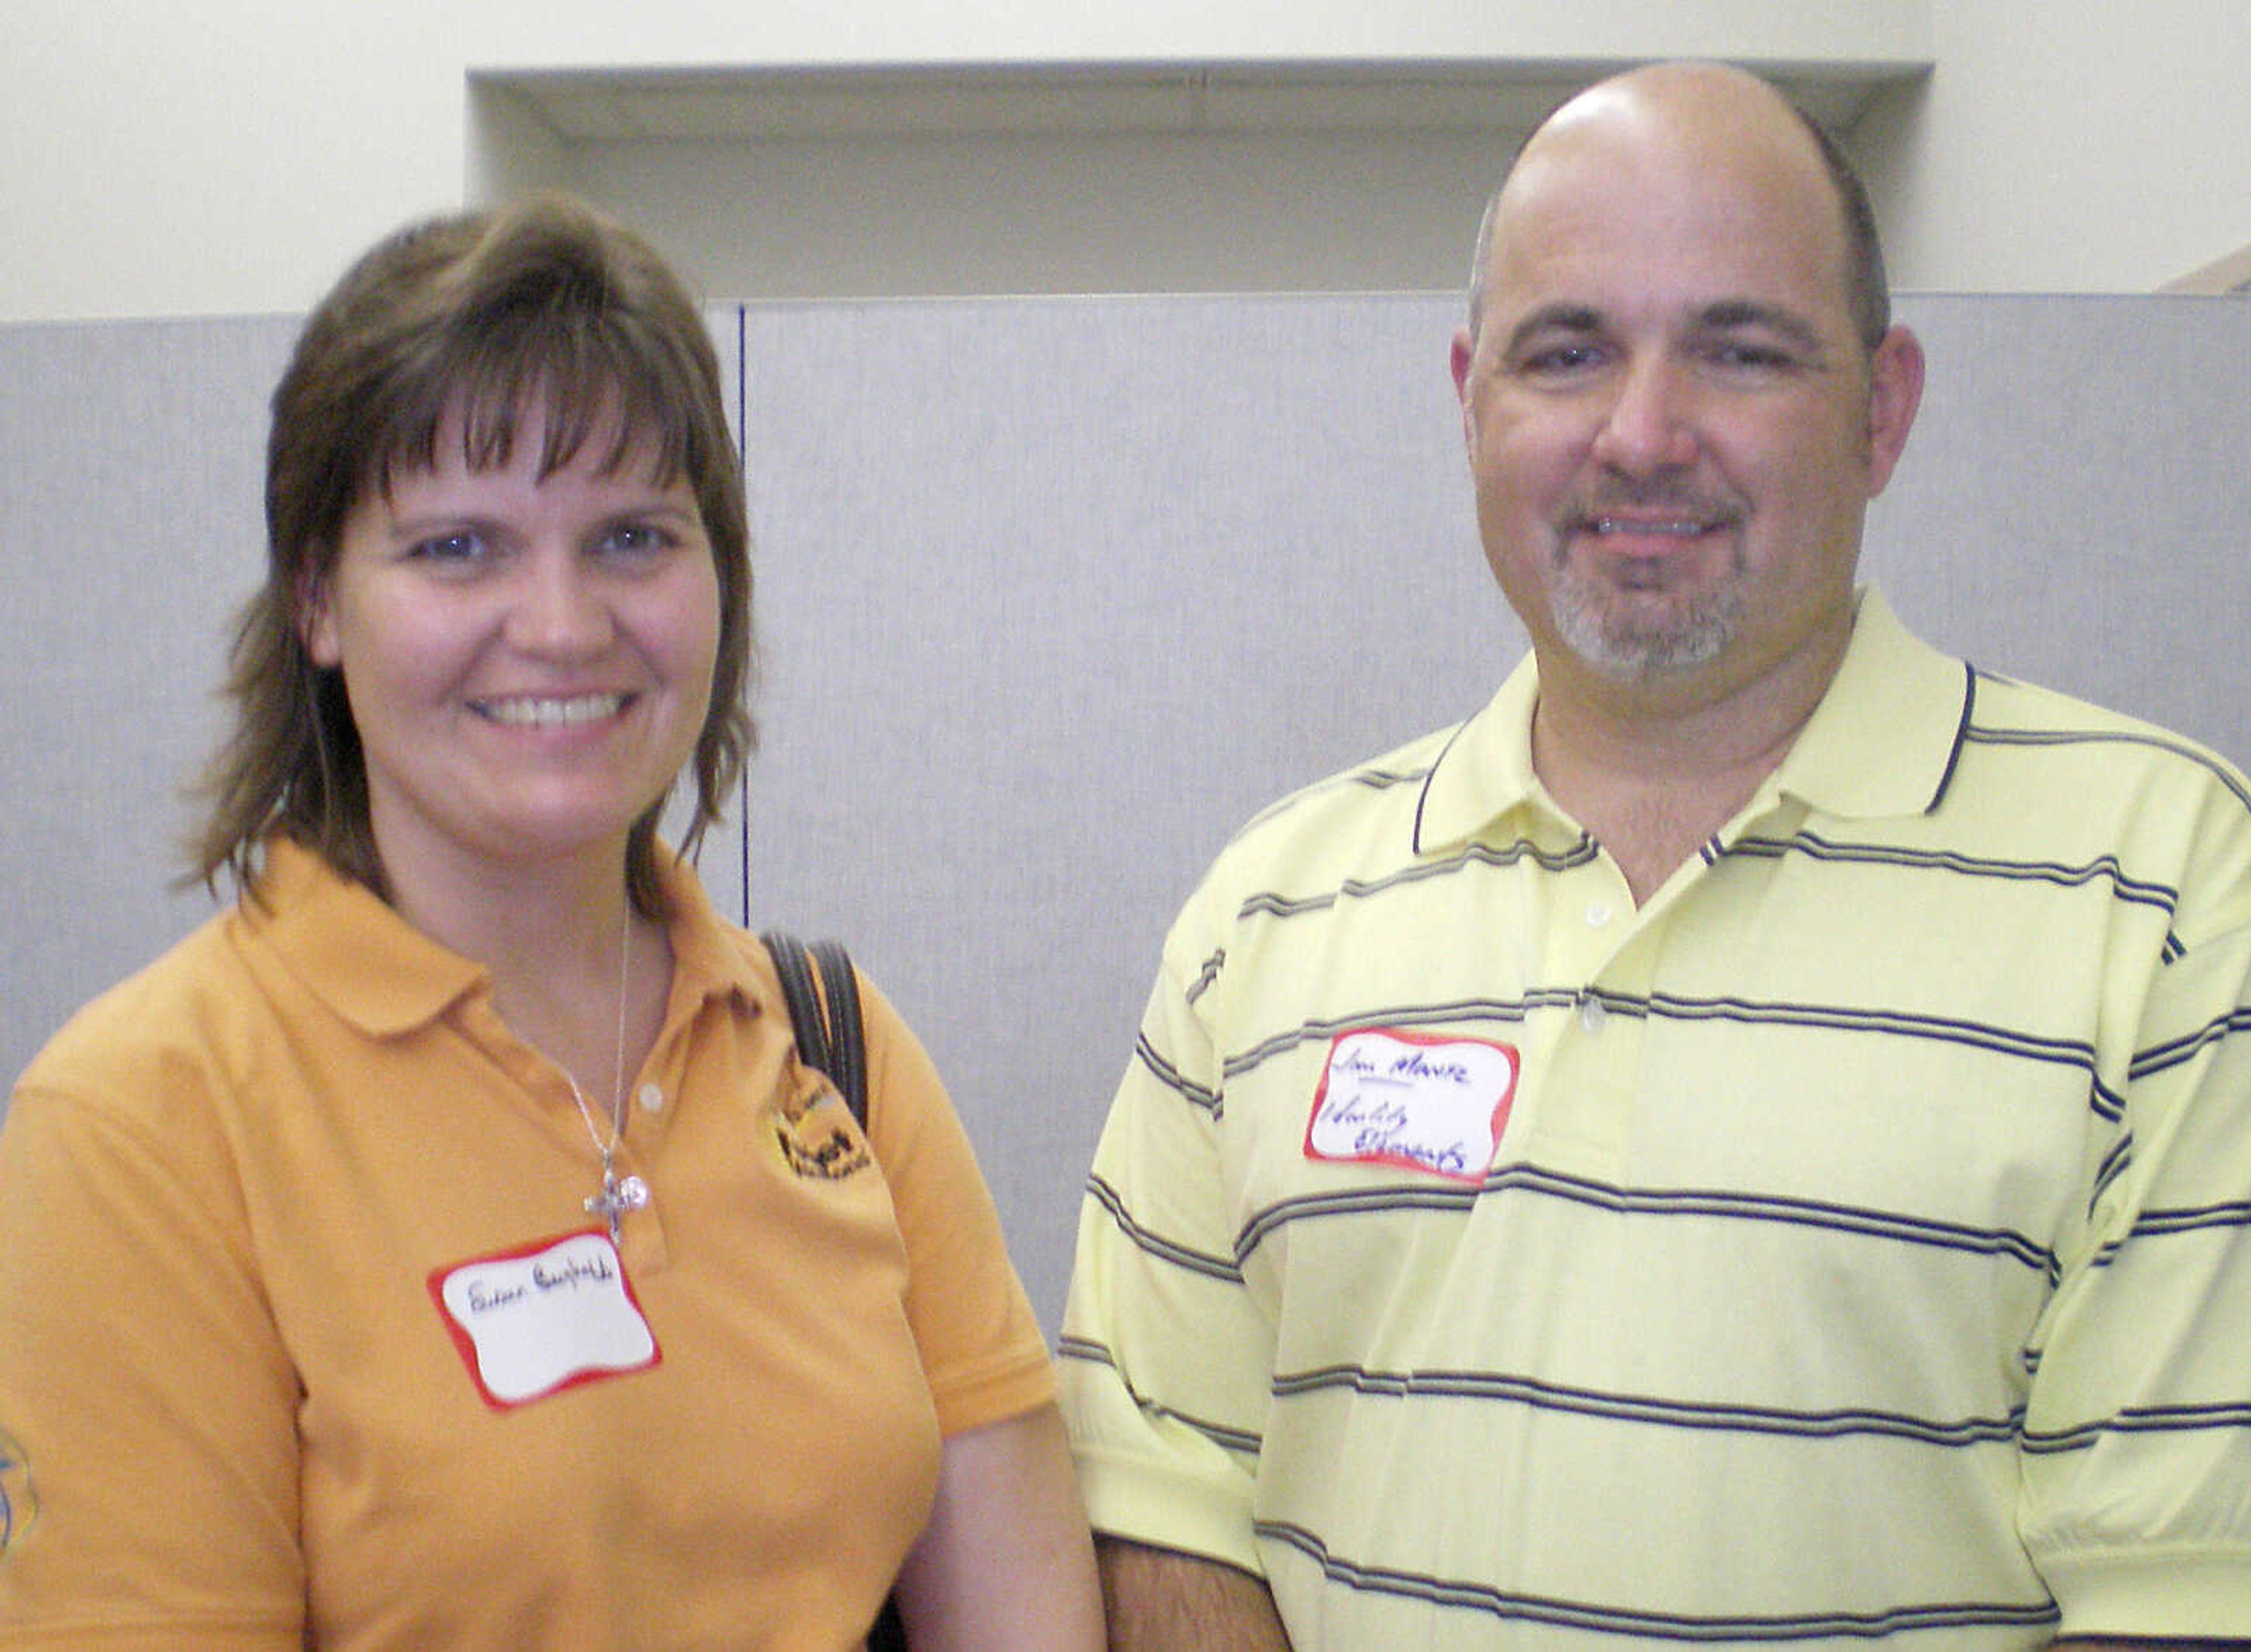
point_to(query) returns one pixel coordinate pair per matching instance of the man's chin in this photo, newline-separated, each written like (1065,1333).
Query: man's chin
(1630,639)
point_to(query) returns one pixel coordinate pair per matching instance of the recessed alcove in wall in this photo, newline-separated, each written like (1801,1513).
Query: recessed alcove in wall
(924,182)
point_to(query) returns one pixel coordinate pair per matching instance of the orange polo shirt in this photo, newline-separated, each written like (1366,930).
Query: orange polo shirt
(234,1191)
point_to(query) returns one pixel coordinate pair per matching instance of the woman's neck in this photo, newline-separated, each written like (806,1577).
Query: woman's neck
(576,973)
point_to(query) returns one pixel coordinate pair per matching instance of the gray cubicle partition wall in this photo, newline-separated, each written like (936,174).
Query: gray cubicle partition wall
(1055,593)
(130,459)
(1052,594)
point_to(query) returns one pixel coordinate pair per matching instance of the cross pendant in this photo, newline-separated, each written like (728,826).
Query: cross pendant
(618,1195)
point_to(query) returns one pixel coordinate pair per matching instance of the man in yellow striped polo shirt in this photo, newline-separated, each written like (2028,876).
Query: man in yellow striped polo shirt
(1748,1140)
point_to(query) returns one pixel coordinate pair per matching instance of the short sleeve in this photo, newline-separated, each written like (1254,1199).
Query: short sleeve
(2137,1437)
(141,1375)
(1166,1358)
(982,1350)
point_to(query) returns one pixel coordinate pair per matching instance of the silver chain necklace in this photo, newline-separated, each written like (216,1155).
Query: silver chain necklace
(618,1194)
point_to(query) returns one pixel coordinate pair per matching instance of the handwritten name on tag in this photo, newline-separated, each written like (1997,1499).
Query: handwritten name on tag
(1424,1103)
(530,1323)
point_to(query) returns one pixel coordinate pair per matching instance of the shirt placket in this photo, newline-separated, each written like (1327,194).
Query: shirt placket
(1596,966)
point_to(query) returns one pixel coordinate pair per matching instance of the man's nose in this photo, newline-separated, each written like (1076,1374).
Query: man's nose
(1651,421)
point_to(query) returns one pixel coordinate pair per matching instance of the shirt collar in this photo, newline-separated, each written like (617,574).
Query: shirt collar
(386,977)
(1884,738)
(1485,769)
(1882,742)
(707,957)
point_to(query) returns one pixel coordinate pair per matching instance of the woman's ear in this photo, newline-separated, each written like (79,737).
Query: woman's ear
(316,621)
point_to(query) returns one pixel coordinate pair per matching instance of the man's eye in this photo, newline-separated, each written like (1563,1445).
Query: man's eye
(1751,357)
(1560,359)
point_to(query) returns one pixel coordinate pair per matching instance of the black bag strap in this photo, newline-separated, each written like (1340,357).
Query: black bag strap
(848,1037)
(831,1037)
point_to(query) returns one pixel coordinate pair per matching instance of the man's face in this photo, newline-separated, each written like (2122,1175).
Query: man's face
(1674,428)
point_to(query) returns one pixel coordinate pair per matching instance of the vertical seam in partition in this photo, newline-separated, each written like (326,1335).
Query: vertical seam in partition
(743,460)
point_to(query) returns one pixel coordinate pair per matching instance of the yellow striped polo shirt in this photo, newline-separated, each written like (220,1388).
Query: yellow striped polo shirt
(1853,1241)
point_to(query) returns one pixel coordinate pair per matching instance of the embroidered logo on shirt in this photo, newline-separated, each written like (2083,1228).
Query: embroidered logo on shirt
(813,1140)
(1392,1097)
(19,1505)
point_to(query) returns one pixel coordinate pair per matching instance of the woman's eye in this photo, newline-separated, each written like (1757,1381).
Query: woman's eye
(635,538)
(448,547)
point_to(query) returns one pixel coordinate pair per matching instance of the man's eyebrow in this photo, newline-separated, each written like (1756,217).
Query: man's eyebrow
(1559,317)
(1732,313)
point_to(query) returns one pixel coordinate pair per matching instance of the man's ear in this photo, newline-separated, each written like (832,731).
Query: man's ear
(1461,358)
(1894,391)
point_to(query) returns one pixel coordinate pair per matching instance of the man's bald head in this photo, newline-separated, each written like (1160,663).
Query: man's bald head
(1696,103)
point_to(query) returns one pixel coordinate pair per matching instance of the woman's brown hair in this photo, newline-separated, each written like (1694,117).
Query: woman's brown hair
(546,307)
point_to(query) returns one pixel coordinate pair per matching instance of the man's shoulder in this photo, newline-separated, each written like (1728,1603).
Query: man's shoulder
(2070,782)
(1355,822)
(1372,786)
(2002,753)
(2038,727)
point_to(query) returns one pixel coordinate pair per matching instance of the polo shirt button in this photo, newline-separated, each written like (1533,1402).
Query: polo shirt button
(1598,914)
(652,1098)
(1591,1013)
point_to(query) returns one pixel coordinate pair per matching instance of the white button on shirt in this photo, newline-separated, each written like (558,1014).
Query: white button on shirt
(652,1097)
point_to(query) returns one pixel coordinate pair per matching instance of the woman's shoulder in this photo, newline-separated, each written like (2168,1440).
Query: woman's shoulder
(153,1025)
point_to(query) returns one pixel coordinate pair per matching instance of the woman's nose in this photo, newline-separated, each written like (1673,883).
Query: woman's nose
(560,607)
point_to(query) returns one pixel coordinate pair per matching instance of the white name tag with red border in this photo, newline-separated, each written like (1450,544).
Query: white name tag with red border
(1388,1096)
(532,1321)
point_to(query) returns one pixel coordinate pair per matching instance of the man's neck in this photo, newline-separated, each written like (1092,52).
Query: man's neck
(1654,770)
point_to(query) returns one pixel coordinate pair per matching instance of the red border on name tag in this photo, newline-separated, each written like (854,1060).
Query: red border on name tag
(1431,1162)
(466,1344)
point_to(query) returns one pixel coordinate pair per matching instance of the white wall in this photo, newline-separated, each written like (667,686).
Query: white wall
(2068,146)
(222,157)
(230,156)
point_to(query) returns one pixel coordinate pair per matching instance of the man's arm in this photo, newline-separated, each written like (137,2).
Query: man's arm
(1162,1601)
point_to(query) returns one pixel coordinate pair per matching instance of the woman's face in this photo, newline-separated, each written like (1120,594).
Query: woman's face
(528,659)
